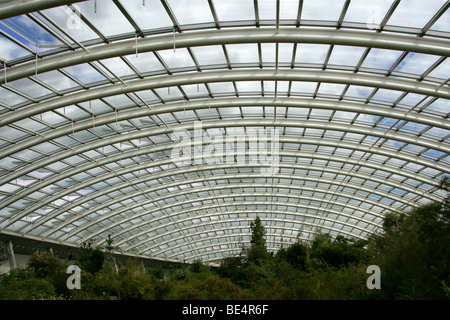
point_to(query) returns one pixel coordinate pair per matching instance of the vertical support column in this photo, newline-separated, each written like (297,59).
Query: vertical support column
(12,257)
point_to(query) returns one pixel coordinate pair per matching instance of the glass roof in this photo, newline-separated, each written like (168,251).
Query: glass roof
(349,98)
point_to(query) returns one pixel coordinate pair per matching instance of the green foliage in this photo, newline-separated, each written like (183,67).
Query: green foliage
(258,233)
(296,255)
(412,254)
(44,264)
(134,283)
(257,253)
(22,284)
(337,253)
(3,252)
(90,259)
(205,286)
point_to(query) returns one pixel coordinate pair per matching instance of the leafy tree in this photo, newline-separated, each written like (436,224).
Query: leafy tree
(134,283)
(22,284)
(44,264)
(335,253)
(257,253)
(413,253)
(205,286)
(296,255)
(90,259)
(258,233)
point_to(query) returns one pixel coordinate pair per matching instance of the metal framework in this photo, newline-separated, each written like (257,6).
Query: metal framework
(92,91)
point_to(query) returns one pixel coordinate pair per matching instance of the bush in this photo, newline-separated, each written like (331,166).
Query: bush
(44,264)
(205,286)
(3,252)
(90,259)
(135,284)
(413,253)
(21,284)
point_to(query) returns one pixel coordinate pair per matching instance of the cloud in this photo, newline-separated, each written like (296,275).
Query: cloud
(9,50)
(415,13)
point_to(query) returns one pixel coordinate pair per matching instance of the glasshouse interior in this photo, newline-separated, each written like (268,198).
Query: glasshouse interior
(225,149)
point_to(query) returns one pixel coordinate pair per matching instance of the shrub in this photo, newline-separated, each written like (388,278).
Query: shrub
(44,264)
(205,286)
(21,284)
(90,259)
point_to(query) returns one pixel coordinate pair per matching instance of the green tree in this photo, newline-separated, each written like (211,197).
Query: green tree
(413,252)
(338,252)
(296,255)
(90,259)
(44,264)
(257,253)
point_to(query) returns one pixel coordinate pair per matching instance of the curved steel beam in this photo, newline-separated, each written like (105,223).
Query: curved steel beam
(229,123)
(227,243)
(195,169)
(233,36)
(291,102)
(225,204)
(249,219)
(151,150)
(228,76)
(197,190)
(116,200)
(213,197)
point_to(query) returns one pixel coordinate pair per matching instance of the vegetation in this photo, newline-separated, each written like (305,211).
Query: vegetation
(412,254)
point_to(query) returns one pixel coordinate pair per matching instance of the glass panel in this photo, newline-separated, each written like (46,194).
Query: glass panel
(145,62)
(415,13)
(9,50)
(151,16)
(221,87)
(311,53)
(117,66)
(70,22)
(85,73)
(10,98)
(29,88)
(232,10)
(32,31)
(243,53)
(248,86)
(322,10)
(267,9)
(289,9)
(381,59)
(99,13)
(57,80)
(387,95)
(346,55)
(285,51)
(443,23)
(441,71)
(191,11)
(178,59)
(331,88)
(209,55)
(417,63)
(359,92)
(368,11)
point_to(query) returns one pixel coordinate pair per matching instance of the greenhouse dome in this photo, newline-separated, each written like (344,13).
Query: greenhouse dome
(171,125)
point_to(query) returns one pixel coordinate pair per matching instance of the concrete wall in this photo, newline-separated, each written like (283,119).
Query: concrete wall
(21,262)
